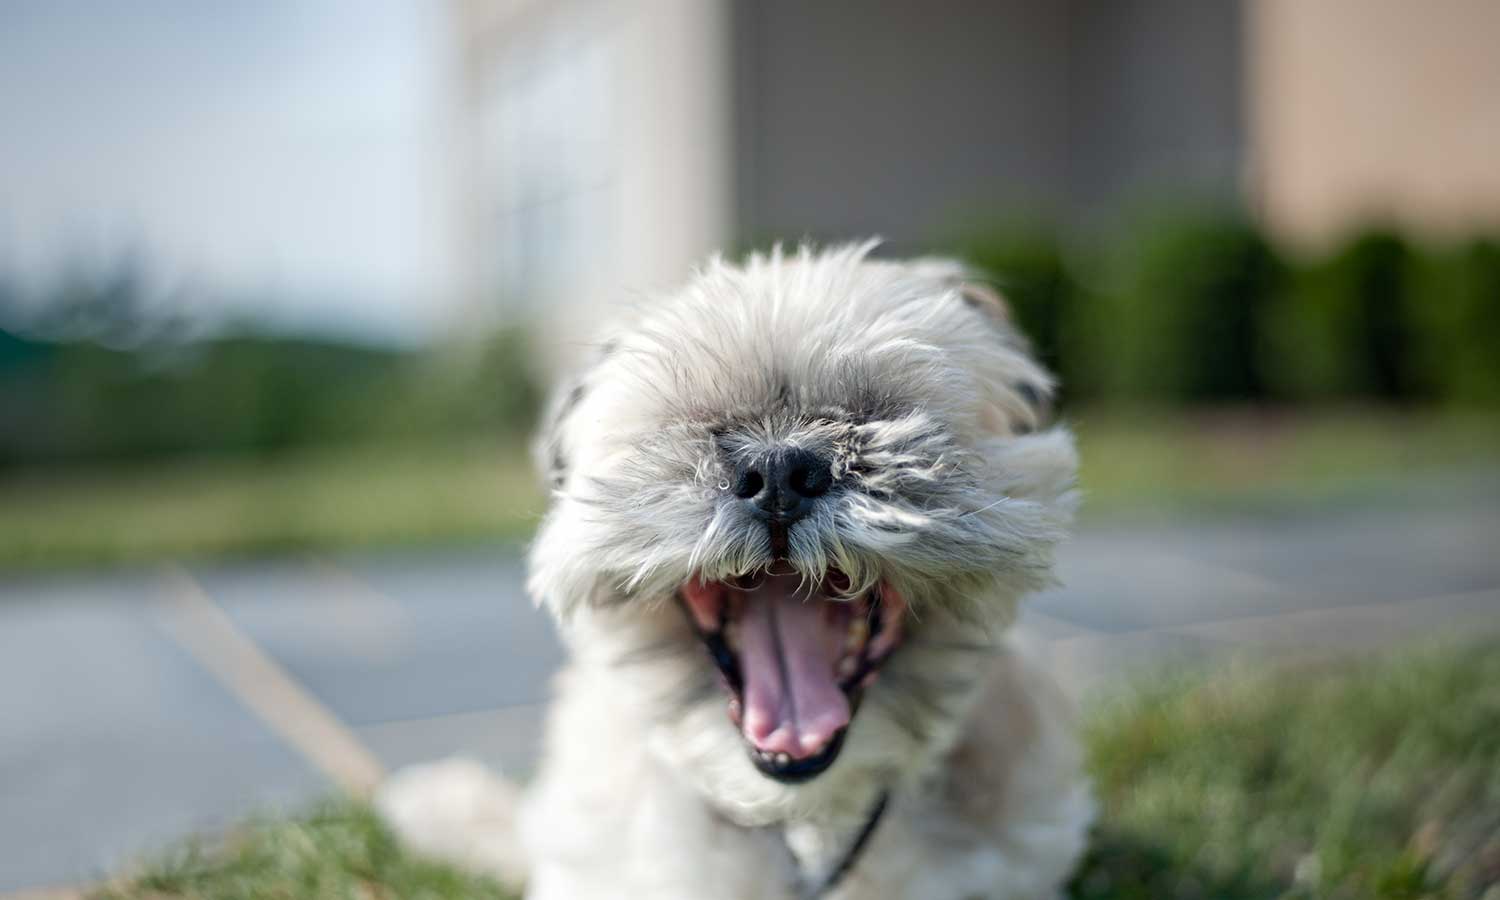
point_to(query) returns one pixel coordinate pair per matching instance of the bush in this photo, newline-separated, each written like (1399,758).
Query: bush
(1195,306)
(1177,319)
(1345,329)
(1198,305)
(1027,264)
(1456,324)
(85,401)
(485,386)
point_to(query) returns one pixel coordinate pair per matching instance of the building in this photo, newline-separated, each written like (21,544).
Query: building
(609,144)
(1374,110)
(595,150)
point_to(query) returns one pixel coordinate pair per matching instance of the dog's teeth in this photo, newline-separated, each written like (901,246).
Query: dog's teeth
(847,665)
(783,760)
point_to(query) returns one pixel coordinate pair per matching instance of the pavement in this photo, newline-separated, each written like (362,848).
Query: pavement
(140,707)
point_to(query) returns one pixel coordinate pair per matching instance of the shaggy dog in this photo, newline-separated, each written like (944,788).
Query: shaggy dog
(794,508)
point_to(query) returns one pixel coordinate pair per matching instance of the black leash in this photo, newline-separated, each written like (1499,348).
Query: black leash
(851,856)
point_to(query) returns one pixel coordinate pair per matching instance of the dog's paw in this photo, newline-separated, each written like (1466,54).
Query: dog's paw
(457,810)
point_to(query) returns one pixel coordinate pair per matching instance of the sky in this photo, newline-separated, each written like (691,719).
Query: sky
(280,159)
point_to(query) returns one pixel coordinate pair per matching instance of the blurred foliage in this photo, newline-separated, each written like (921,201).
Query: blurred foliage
(339,850)
(1456,352)
(91,371)
(433,493)
(1181,297)
(1346,329)
(1188,306)
(1378,780)
(83,400)
(1026,263)
(1197,306)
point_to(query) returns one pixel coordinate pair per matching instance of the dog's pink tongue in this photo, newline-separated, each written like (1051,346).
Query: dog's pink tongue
(789,644)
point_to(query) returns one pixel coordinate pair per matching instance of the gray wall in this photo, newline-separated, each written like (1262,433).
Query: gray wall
(1156,101)
(909,119)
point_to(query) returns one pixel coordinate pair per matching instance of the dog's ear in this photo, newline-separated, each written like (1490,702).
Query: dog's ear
(1029,406)
(550,449)
(987,300)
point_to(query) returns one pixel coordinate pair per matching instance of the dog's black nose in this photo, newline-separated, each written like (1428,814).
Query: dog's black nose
(783,483)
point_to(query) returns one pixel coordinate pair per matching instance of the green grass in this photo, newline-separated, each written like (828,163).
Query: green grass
(234,507)
(340,850)
(1246,461)
(346,497)
(1380,780)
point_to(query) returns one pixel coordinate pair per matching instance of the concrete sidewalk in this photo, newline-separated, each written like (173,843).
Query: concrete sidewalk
(140,707)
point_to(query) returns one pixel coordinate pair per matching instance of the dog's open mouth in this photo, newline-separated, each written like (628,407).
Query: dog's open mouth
(796,657)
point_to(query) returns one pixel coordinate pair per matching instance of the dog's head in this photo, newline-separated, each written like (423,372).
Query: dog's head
(812,488)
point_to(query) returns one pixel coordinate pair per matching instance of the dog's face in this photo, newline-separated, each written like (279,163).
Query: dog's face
(812,489)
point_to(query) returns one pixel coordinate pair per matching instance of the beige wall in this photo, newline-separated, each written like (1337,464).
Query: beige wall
(1375,109)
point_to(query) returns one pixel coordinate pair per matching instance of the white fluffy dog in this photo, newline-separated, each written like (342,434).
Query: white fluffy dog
(794,507)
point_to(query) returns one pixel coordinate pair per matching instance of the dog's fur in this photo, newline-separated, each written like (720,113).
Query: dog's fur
(949,488)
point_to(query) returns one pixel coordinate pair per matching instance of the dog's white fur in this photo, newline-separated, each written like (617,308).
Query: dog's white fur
(909,377)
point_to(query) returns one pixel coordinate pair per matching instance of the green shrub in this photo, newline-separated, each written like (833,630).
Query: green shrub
(1181,297)
(1344,330)
(1455,319)
(1028,265)
(1199,306)
(245,394)
(263,395)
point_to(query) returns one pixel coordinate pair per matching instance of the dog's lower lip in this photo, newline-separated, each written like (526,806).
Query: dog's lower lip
(796,771)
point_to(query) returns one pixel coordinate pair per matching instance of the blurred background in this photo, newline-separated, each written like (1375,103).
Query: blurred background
(283,284)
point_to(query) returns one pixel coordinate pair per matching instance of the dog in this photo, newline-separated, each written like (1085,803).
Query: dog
(794,507)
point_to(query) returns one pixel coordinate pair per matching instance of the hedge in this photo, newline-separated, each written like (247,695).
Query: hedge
(1455,350)
(1200,306)
(1194,306)
(83,400)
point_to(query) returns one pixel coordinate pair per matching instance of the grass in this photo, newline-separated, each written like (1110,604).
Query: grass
(1246,461)
(339,850)
(345,497)
(1376,781)
(325,499)
(1380,780)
